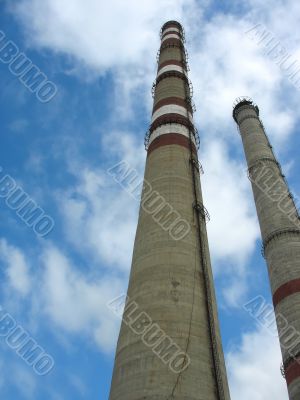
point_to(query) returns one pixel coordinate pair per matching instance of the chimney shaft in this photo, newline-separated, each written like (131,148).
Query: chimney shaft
(279,223)
(169,345)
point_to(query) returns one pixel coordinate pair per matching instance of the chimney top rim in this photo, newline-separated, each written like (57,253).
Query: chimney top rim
(242,101)
(172,22)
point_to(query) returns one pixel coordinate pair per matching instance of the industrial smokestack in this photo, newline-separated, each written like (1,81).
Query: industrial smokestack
(280,229)
(169,345)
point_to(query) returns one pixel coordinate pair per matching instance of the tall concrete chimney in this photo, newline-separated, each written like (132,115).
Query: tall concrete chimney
(279,223)
(169,345)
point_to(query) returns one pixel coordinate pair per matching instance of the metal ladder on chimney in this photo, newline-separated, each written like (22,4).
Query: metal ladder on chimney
(202,215)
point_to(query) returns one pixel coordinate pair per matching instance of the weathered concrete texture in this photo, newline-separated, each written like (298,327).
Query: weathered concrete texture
(170,53)
(170,87)
(167,283)
(279,224)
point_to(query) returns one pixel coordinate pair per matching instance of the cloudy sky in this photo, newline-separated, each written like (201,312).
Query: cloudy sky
(101,56)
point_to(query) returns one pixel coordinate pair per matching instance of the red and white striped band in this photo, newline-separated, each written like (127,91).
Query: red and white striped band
(169,139)
(285,290)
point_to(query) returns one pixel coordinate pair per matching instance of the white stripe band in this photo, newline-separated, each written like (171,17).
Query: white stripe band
(170,30)
(171,67)
(171,36)
(171,109)
(170,128)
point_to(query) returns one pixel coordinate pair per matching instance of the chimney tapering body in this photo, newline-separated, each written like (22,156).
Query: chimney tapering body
(171,303)
(280,229)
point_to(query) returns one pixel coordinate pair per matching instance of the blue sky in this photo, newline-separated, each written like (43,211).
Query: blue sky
(101,57)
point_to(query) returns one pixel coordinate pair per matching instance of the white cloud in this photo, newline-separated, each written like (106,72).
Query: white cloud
(233,228)
(236,288)
(254,368)
(99,208)
(100,34)
(105,215)
(73,298)
(226,64)
(76,301)
(123,38)
(17,269)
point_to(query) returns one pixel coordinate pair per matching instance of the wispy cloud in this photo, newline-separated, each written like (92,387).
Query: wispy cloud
(16,266)
(254,368)
(118,42)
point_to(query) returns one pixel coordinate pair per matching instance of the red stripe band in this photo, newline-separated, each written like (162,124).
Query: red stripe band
(172,119)
(167,117)
(292,372)
(286,290)
(172,100)
(171,42)
(171,62)
(172,74)
(169,139)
